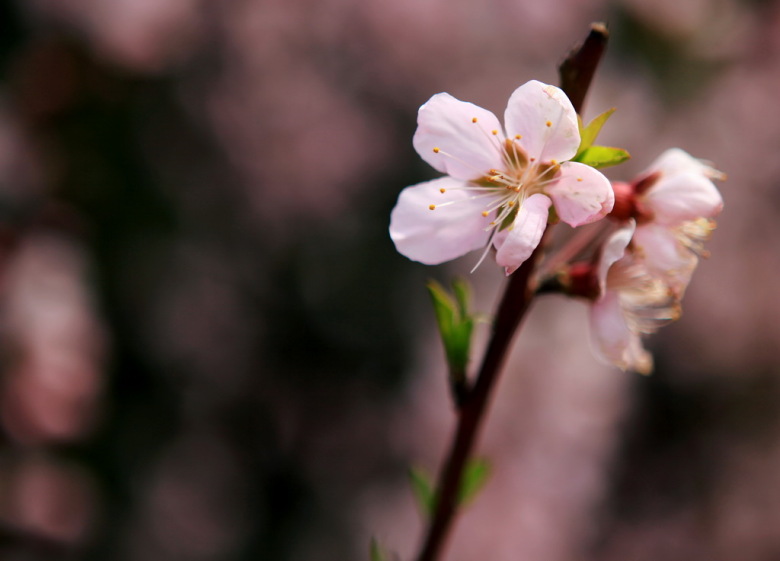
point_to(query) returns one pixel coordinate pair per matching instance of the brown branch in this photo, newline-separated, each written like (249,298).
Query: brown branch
(576,74)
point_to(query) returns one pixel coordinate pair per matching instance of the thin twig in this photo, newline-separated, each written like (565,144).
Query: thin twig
(576,75)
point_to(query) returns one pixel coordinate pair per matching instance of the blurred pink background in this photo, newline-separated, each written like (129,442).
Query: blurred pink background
(211,351)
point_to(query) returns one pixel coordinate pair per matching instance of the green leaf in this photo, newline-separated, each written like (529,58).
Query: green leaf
(455,323)
(462,291)
(588,134)
(475,476)
(444,307)
(378,553)
(602,156)
(422,488)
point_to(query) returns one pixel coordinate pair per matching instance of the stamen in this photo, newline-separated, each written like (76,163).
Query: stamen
(442,190)
(473,119)
(435,150)
(432,207)
(484,253)
(548,123)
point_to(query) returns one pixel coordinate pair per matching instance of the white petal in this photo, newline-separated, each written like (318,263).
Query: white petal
(682,196)
(613,341)
(545,119)
(581,194)
(613,250)
(449,138)
(676,160)
(664,255)
(515,245)
(449,231)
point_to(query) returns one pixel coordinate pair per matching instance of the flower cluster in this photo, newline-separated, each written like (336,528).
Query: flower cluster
(644,268)
(505,184)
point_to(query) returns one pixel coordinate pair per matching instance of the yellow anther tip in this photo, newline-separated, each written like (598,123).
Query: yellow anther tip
(485,213)
(518,136)
(432,207)
(473,119)
(548,123)
(435,150)
(442,190)
(494,131)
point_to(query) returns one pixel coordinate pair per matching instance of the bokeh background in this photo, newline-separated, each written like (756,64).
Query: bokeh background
(209,349)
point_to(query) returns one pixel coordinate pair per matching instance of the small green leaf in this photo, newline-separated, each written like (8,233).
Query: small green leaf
(422,488)
(462,291)
(602,156)
(455,326)
(588,134)
(474,478)
(378,553)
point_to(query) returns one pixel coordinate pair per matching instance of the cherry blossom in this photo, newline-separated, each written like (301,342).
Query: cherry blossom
(500,182)
(631,302)
(673,201)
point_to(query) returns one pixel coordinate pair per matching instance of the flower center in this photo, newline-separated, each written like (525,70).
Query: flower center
(507,189)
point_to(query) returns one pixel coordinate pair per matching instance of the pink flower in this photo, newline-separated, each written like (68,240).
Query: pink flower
(632,302)
(500,183)
(673,202)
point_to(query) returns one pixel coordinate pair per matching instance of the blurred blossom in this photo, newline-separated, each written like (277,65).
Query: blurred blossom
(145,35)
(54,341)
(47,498)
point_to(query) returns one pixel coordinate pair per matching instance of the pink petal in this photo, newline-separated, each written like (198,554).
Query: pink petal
(675,160)
(449,138)
(545,119)
(613,340)
(436,236)
(613,250)
(682,196)
(581,194)
(664,255)
(515,245)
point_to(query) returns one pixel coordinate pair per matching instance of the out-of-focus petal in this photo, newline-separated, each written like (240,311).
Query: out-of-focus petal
(664,256)
(546,121)
(456,137)
(675,160)
(613,250)
(436,236)
(581,194)
(612,339)
(515,245)
(680,197)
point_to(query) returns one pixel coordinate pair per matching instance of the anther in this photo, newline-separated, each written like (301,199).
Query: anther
(432,207)
(494,132)
(548,123)
(435,150)
(510,203)
(554,162)
(485,213)
(442,190)
(473,119)
(518,136)
(579,179)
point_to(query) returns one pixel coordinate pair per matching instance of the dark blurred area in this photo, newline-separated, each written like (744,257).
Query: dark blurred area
(209,349)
